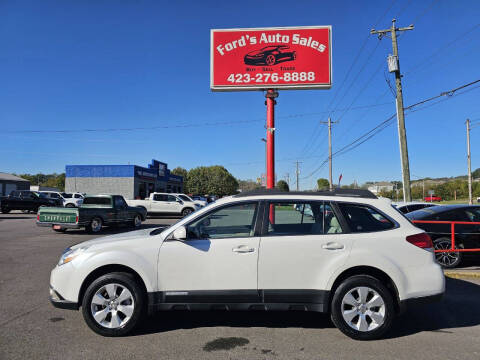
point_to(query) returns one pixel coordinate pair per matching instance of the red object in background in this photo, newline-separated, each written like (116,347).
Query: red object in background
(432,198)
(264,58)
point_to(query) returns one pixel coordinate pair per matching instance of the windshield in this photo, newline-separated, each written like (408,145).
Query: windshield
(66,195)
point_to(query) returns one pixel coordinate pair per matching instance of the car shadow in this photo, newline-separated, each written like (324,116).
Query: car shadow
(458,308)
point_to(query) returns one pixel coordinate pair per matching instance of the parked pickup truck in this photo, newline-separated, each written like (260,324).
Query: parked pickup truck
(26,200)
(163,203)
(95,213)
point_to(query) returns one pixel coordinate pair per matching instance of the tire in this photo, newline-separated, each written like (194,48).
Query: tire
(137,221)
(95,225)
(117,312)
(187,211)
(270,60)
(353,301)
(5,210)
(69,205)
(447,260)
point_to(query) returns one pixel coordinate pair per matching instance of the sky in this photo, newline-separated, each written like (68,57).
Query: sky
(73,65)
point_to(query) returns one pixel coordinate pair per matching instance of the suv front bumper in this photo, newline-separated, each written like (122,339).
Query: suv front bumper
(59,302)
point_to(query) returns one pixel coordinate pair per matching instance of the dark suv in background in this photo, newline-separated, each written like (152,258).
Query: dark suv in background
(26,200)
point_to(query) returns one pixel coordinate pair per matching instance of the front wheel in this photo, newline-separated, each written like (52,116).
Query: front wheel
(446,259)
(95,225)
(113,304)
(186,212)
(362,308)
(137,221)
(70,205)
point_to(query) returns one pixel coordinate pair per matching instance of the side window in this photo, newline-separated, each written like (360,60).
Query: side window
(171,198)
(306,218)
(119,202)
(159,197)
(450,216)
(53,195)
(362,218)
(77,196)
(228,222)
(473,214)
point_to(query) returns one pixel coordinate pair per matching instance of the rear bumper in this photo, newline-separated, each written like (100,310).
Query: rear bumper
(59,302)
(64,226)
(413,302)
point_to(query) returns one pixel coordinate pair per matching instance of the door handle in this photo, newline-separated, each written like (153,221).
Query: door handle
(332,246)
(243,249)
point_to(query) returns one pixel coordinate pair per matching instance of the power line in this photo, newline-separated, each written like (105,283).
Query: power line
(200,124)
(389,121)
(314,134)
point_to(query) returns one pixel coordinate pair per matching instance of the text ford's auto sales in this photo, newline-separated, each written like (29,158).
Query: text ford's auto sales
(283,58)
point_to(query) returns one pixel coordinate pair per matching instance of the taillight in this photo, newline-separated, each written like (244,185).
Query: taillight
(38,217)
(421,240)
(76,219)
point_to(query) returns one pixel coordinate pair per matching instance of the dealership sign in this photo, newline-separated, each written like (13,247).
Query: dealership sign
(264,58)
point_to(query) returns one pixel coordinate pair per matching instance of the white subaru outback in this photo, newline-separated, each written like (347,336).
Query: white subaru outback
(344,252)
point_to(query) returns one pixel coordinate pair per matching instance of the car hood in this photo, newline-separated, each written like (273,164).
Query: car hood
(255,53)
(112,239)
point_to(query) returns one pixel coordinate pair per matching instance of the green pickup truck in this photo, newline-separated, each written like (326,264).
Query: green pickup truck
(96,212)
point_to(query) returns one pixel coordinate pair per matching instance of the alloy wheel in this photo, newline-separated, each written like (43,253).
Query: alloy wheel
(363,309)
(445,258)
(270,60)
(137,221)
(112,306)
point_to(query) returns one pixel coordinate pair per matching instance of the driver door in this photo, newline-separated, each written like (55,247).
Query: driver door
(217,263)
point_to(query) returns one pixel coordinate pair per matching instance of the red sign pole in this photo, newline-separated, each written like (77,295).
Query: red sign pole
(270,102)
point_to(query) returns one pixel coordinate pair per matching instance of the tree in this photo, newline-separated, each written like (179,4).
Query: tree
(476,174)
(323,184)
(183,173)
(214,180)
(282,185)
(248,185)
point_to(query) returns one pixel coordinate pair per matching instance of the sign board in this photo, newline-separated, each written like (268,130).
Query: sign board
(271,58)
(431,192)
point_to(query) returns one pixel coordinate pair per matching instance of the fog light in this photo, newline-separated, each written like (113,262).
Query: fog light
(53,295)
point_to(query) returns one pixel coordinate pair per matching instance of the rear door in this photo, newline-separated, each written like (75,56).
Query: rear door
(158,203)
(301,241)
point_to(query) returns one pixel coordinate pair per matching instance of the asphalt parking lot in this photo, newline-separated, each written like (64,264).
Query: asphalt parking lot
(31,328)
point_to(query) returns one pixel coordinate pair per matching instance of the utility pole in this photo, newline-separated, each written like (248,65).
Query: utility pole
(287,178)
(394,66)
(297,173)
(470,200)
(330,176)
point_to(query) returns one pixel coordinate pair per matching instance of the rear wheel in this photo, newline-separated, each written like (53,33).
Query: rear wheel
(362,308)
(95,225)
(113,304)
(5,210)
(270,60)
(70,205)
(446,259)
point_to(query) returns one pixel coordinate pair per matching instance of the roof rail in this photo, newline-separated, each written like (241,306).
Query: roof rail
(360,193)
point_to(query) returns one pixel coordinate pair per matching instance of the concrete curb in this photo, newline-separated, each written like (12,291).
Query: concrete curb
(462,274)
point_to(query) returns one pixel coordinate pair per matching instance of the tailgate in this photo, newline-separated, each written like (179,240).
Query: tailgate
(58,215)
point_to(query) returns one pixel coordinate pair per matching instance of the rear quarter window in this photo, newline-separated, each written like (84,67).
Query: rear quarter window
(97,201)
(363,218)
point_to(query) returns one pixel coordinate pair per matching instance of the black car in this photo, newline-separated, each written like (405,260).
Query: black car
(27,201)
(406,208)
(466,236)
(270,55)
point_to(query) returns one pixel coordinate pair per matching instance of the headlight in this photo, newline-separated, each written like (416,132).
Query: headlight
(70,254)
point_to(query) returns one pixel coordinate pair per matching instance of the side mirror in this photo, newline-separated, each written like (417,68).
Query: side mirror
(180,201)
(180,233)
